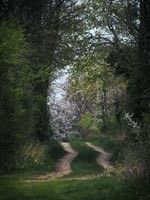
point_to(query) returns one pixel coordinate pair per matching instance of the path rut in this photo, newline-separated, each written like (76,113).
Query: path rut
(103,158)
(63,166)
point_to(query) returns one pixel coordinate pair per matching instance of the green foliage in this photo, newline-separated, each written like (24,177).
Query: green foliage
(112,145)
(87,121)
(33,158)
(16,95)
(11,43)
(32,46)
(55,34)
(95,89)
(23,101)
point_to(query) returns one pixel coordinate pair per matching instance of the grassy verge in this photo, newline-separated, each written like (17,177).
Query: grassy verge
(85,163)
(109,144)
(35,158)
(104,188)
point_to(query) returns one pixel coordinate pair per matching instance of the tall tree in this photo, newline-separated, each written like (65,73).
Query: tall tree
(142,75)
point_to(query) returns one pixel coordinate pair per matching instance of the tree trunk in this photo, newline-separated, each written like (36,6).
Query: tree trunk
(142,74)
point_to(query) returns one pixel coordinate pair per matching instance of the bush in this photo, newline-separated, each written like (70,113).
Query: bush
(36,157)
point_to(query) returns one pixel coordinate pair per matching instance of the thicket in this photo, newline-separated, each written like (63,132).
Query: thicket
(32,46)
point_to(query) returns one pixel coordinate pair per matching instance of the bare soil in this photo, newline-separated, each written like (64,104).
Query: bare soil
(63,166)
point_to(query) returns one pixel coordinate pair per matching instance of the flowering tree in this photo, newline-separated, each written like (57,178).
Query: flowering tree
(61,109)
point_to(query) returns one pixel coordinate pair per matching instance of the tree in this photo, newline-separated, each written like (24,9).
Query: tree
(32,45)
(16,93)
(142,75)
(95,89)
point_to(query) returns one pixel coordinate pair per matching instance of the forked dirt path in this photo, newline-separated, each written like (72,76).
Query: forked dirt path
(103,158)
(63,166)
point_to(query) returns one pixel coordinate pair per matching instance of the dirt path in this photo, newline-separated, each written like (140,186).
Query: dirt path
(63,166)
(103,158)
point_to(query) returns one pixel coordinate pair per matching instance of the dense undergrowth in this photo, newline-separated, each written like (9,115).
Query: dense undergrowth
(35,158)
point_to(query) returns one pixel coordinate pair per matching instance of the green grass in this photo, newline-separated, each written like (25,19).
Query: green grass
(85,163)
(103,188)
(109,144)
(16,187)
